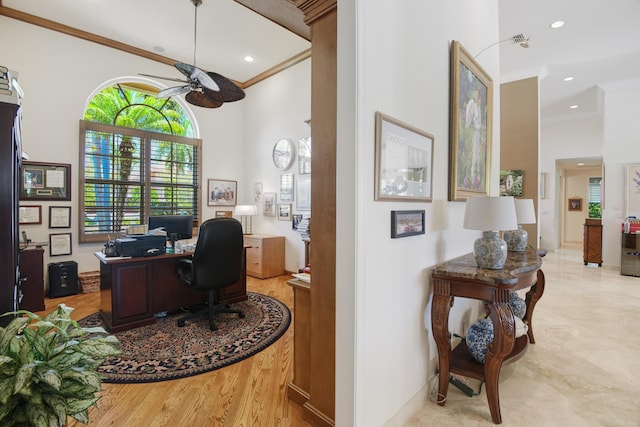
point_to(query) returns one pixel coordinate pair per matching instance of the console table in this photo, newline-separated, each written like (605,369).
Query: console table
(461,277)
(132,290)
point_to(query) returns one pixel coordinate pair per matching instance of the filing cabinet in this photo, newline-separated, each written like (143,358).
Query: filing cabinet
(265,256)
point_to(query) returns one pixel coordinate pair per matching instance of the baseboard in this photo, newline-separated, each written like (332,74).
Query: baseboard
(411,407)
(297,394)
(316,417)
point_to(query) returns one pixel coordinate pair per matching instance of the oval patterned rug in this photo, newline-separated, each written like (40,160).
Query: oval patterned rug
(163,351)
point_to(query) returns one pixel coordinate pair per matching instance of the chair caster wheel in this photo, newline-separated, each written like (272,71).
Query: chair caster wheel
(241,315)
(180,322)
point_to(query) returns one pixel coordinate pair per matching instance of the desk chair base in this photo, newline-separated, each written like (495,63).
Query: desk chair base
(211,311)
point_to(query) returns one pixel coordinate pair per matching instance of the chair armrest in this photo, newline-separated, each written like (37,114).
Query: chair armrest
(185,270)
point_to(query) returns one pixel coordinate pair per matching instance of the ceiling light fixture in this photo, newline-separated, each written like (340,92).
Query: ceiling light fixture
(202,88)
(519,39)
(567,79)
(557,24)
(248,58)
(573,107)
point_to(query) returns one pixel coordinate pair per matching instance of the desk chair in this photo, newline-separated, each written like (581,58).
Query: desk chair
(216,263)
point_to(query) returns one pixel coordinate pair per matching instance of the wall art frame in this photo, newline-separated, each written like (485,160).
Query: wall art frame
(45,181)
(512,182)
(407,223)
(224,214)
(304,156)
(470,127)
(284,211)
(60,244)
(269,204)
(286,187)
(59,216)
(303,193)
(632,195)
(30,214)
(575,204)
(221,192)
(403,161)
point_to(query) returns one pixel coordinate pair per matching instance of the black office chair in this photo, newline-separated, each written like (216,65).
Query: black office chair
(216,263)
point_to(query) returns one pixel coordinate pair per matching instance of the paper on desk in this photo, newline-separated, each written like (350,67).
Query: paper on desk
(305,277)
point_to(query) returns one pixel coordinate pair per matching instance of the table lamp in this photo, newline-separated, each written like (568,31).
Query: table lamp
(490,214)
(245,212)
(525,214)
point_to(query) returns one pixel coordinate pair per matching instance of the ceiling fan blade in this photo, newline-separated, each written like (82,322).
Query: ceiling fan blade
(198,98)
(228,92)
(196,74)
(172,91)
(164,78)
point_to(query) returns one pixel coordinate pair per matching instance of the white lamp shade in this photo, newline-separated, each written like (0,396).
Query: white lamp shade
(490,213)
(247,210)
(525,211)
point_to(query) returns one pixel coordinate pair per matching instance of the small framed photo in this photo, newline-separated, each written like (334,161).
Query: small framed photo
(221,192)
(303,193)
(30,214)
(59,216)
(224,214)
(284,211)
(286,187)
(304,156)
(45,181)
(60,244)
(269,204)
(575,204)
(407,223)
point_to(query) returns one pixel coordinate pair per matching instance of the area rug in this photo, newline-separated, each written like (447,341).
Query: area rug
(163,351)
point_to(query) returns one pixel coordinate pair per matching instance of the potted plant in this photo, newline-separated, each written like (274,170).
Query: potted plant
(48,368)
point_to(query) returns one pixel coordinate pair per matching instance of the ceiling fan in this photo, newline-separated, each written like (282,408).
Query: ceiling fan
(202,88)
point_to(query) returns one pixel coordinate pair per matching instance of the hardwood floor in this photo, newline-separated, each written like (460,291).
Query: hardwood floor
(252,392)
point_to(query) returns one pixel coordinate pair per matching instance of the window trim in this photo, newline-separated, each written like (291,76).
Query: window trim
(147,135)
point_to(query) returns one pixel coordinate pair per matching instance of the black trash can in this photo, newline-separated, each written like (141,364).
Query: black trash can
(63,279)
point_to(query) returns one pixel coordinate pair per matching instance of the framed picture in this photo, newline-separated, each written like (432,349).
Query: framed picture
(406,223)
(511,182)
(221,192)
(303,193)
(632,202)
(284,211)
(295,220)
(257,192)
(304,156)
(575,204)
(30,214)
(286,187)
(269,204)
(59,216)
(60,244)
(470,127)
(45,181)
(404,161)
(224,214)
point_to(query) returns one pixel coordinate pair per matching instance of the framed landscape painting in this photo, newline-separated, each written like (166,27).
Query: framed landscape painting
(469,127)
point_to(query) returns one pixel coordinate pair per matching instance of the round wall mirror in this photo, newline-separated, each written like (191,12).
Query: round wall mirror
(283,153)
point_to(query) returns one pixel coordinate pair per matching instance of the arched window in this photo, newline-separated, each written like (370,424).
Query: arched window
(138,158)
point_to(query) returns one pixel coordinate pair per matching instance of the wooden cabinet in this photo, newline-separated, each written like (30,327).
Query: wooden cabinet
(10,154)
(265,255)
(32,280)
(592,243)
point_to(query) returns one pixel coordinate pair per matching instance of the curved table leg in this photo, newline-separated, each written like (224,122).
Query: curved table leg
(504,337)
(440,307)
(532,298)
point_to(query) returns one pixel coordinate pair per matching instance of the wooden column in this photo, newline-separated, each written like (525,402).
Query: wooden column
(321,16)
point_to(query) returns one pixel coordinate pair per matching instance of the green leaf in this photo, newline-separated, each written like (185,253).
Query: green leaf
(51,377)
(38,415)
(57,405)
(87,378)
(98,347)
(24,379)
(6,389)
(74,406)
(8,333)
(82,416)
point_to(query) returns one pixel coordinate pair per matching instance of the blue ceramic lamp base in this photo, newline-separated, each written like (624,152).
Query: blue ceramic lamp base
(490,251)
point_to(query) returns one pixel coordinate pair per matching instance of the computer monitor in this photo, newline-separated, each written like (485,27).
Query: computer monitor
(178,227)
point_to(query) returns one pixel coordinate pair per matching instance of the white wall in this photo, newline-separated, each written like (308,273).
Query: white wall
(393,57)
(621,142)
(60,73)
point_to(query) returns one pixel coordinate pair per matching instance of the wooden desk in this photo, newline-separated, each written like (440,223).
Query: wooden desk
(461,277)
(132,290)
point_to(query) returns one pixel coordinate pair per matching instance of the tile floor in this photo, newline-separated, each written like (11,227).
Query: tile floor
(584,369)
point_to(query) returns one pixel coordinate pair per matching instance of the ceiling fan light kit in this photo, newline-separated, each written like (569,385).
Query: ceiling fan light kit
(202,88)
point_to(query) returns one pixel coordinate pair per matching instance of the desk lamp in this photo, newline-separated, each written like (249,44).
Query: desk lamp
(490,214)
(246,212)
(526,214)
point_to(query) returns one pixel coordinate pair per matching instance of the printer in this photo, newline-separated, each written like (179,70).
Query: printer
(140,245)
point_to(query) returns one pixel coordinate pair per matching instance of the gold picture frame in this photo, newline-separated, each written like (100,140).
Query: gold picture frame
(470,127)
(45,181)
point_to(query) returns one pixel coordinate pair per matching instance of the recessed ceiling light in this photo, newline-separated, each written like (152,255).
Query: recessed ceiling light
(557,24)
(568,79)
(248,58)
(573,107)
(158,49)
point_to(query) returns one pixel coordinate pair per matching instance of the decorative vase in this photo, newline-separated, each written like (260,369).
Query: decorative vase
(516,239)
(517,304)
(479,335)
(490,251)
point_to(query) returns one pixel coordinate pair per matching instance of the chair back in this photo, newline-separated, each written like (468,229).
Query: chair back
(217,259)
